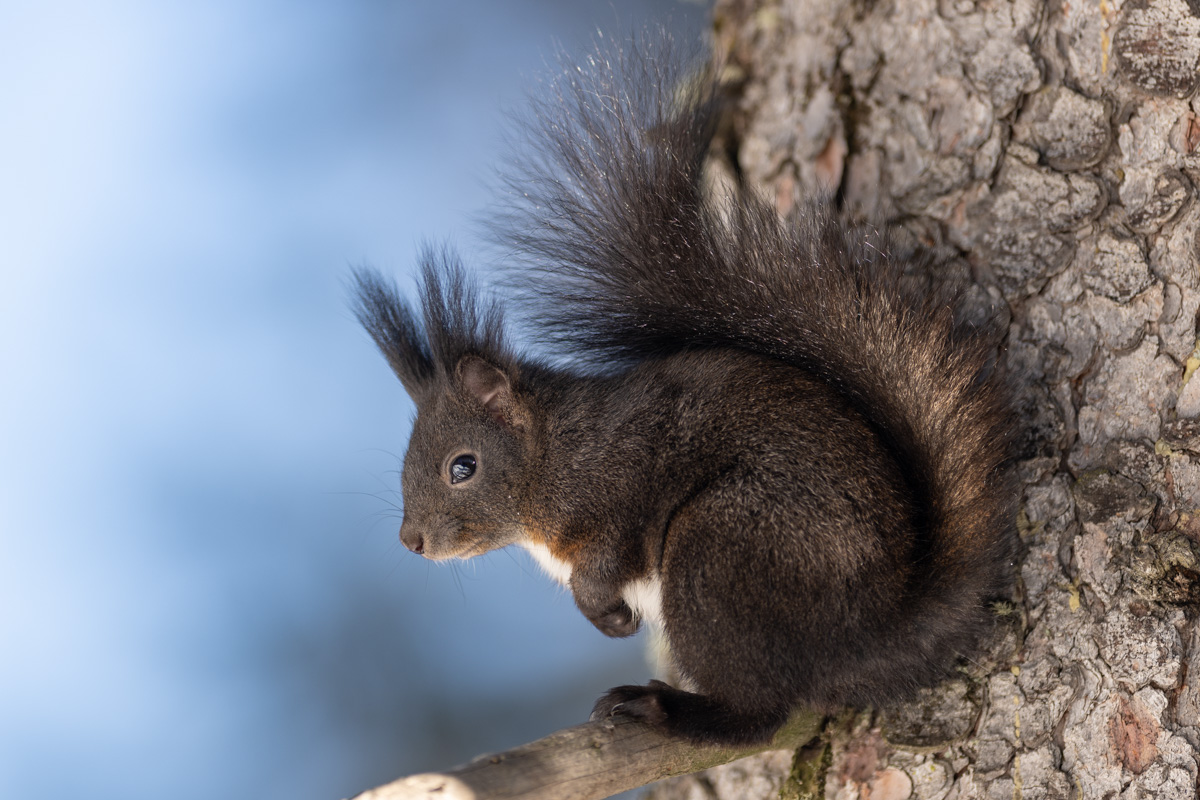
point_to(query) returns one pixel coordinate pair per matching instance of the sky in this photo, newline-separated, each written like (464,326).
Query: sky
(201,589)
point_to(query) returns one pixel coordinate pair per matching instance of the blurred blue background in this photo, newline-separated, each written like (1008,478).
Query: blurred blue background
(201,591)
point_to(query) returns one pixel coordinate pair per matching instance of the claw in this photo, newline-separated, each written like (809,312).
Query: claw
(635,702)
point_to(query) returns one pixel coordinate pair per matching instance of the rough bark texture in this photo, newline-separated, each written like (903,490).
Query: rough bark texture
(1047,151)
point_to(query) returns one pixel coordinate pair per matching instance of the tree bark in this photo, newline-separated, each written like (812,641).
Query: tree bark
(1048,153)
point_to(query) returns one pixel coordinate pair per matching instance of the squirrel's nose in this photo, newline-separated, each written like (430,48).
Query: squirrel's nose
(412,540)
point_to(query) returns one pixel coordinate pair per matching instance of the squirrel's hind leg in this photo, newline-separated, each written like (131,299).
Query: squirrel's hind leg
(729,608)
(696,717)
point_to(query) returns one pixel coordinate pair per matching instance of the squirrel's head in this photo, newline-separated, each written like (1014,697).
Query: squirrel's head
(464,470)
(467,456)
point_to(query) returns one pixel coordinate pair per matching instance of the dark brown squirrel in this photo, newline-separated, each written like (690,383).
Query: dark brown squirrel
(765,436)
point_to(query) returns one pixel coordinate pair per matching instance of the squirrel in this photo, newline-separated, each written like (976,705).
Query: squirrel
(764,436)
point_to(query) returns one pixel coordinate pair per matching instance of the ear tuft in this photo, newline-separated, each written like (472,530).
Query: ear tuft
(488,386)
(393,326)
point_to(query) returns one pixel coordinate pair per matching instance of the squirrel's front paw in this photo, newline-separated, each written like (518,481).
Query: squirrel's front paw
(616,622)
(639,702)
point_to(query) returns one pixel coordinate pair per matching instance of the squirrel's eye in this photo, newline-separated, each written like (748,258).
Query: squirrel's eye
(462,468)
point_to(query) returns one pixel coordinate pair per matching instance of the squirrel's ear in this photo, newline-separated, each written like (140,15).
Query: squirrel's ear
(490,387)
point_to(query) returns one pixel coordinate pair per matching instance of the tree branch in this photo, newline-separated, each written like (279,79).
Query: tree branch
(586,762)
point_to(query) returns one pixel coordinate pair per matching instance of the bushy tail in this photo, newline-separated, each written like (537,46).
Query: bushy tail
(631,259)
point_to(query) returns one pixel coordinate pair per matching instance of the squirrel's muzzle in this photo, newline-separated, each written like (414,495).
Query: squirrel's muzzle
(412,539)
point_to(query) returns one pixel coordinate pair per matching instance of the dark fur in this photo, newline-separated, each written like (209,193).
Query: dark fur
(806,450)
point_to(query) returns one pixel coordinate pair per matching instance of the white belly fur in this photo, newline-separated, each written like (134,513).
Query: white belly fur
(556,569)
(644,596)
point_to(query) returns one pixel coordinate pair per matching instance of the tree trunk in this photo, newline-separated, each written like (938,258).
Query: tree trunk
(1048,152)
